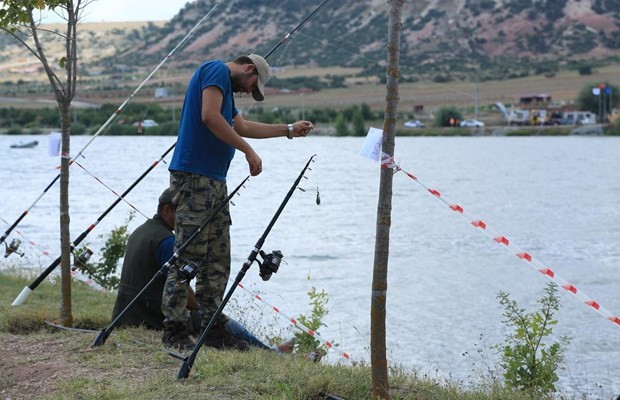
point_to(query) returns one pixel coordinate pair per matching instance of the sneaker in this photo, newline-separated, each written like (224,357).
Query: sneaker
(220,338)
(176,337)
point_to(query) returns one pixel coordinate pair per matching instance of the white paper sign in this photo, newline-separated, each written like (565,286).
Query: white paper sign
(54,141)
(372,145)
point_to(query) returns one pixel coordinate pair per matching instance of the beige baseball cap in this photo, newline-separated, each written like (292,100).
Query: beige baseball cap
(263,76)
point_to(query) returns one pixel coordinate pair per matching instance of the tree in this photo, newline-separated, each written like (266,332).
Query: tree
(342,126)
(21,20)
(587,101)
(379,369)
(445,113)
(359,128)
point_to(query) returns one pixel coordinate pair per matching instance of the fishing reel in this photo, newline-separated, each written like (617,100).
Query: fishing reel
(13,247)
(82,258)
(271,263)
(187,271)
(80,261)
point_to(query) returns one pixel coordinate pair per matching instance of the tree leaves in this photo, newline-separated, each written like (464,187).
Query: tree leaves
(17,12)
(528,363)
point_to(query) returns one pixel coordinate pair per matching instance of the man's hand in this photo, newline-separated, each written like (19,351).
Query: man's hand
(302,128)
(255,163)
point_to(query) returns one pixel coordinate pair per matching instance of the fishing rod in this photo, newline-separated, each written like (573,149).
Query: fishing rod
(111,119)
(30,288)
(126,102)
(188,267)
(269,265)
(302,23)
(27,290)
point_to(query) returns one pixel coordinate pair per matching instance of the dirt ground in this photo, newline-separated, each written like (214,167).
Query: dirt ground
(30,365)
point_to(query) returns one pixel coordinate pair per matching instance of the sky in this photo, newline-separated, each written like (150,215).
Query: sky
(126,10)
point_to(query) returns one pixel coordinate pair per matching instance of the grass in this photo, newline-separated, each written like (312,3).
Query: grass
(133,364)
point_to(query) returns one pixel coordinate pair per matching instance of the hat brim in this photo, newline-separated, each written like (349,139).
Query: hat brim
(258,95)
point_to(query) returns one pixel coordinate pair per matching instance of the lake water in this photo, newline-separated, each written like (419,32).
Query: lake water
(556,197)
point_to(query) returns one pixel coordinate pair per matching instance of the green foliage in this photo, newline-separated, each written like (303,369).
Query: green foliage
(306,343)
(342,126)
(359,128)
(444,113)
(104,271)
(585,70)
(17,12)
(78,128)
(586,101)
(612,130)
(14,130)
(529,363)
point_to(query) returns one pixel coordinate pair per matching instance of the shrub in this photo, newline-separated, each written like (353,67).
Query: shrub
(342,126)
(528,363)
(78,128)
(104,271)
(445,113)
(14,130)
(306,343)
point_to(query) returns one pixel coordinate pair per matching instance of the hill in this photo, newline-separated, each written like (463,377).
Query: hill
(512,47)
(490,39)
(442,40)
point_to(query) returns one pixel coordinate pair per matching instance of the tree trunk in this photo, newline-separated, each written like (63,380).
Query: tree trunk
(379,367)
(66,316)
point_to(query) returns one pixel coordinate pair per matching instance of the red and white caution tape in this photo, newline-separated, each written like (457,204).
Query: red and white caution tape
(33,244)
(298,324)
(388,162)
(76,274)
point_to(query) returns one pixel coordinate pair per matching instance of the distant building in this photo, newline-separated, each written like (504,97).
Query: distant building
(535,99)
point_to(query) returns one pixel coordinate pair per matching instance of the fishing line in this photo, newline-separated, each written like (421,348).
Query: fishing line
(76,274)
(12,248)
(113,117)
(29,289)
(111,190)
(388,161)
(189,267)
(270,264)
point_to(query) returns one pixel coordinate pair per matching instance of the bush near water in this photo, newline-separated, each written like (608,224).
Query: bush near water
(350,121)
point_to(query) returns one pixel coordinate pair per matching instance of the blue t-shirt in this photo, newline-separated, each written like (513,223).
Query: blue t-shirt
(165,250)
(198,150)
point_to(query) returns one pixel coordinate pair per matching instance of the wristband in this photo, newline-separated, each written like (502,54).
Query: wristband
(290,131)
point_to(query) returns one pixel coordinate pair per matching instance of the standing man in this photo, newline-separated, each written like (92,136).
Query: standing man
(210,131)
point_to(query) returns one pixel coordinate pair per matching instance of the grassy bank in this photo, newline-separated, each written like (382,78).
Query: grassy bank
(42,362)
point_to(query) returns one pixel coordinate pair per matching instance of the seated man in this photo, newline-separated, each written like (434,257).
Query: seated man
(148,248)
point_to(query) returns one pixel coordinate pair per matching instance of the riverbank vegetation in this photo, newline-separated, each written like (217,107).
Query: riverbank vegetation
(42,361)
(349,121)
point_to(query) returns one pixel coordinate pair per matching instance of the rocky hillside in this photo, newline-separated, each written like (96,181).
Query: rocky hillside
(441,39)
(501,37)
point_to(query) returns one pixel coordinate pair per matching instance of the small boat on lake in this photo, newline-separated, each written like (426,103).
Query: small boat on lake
(25,145)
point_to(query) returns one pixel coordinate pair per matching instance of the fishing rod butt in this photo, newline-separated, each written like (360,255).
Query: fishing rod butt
(184,370)
(101,338)
(19,300)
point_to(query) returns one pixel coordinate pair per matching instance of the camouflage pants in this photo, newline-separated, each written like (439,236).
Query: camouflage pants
(195,197)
